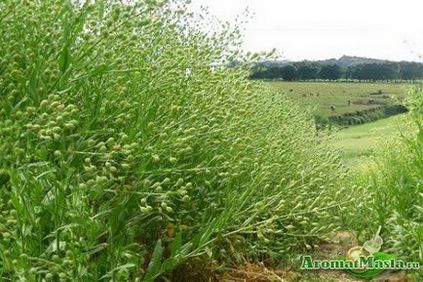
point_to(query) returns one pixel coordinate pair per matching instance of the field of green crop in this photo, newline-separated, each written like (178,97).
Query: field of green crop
(125,155)
(345,97)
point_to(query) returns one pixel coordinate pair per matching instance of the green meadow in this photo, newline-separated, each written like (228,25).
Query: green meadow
(345,97)
(357,143)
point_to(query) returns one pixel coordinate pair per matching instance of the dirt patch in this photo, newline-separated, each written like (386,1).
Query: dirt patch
(258,272)
(339,245)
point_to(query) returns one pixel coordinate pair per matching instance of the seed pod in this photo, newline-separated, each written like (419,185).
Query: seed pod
(156,159)
(58,154)
(186,198)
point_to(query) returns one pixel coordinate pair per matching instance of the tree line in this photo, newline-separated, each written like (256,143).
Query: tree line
(314,71)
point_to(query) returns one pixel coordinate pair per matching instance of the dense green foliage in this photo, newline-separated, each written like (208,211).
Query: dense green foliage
(306,70)
(125,151)
(365,116)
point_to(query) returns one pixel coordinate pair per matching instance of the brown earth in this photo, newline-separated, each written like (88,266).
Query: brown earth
(339,245)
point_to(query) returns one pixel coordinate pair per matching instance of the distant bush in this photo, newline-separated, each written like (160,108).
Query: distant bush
(368,115)
(126,149)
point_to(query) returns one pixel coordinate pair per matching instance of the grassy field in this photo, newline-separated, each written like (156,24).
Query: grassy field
(343,96)
(358,142)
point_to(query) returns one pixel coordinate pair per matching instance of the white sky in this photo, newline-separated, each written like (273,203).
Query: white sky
(320,29)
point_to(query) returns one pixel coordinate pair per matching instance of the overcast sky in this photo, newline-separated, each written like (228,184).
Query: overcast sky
(320,29)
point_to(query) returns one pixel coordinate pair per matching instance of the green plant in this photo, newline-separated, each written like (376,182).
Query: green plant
(128,147)
(391,193)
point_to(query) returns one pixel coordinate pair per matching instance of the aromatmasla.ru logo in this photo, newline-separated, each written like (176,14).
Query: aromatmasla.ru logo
(363,262)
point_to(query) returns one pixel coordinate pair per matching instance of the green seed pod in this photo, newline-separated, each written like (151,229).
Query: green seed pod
(147,183)
(11,222)
(55,258)
(125,166)
(58,154)
(186,198)
(179,182)
(156,159)
(166,181)
(68,262)
(69,126)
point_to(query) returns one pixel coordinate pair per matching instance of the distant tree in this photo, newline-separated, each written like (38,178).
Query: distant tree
(307,70)
(274,71)
(313,70)
(410,71)
(264,71)
(390,71)
(258,71)
(351,72)
(374,71)
(289,73)
(331,72)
